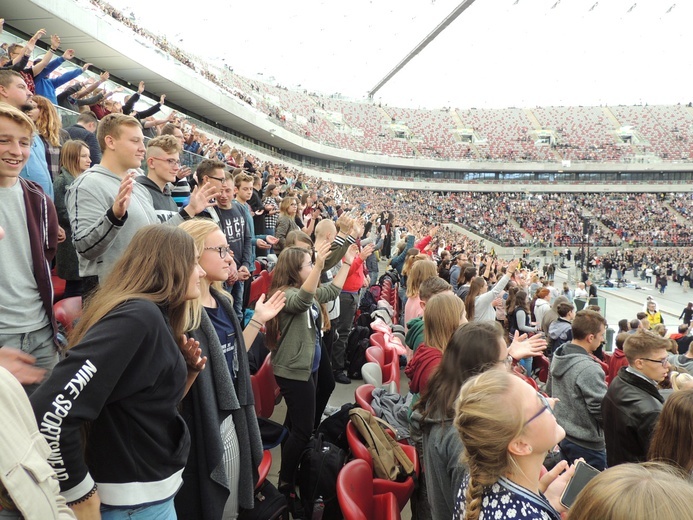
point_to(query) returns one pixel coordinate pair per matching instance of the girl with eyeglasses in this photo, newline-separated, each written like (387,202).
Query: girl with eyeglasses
(219,409)
(294,337)
(472,349)
(507,429)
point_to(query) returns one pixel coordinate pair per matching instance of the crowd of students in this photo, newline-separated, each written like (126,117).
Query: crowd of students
(157,367)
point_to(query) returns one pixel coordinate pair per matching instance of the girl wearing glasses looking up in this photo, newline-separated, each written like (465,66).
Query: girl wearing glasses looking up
(219,409)
(507,428)
(295,337)
(472,349)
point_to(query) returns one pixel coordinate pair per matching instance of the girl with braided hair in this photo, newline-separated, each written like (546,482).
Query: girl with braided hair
(507,428)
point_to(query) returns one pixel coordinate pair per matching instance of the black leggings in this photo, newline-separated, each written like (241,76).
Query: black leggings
(300,415)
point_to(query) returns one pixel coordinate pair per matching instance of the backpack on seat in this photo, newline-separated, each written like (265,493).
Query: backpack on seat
(389,460)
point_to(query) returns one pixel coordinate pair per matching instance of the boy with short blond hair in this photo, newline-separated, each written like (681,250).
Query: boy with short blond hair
(30,223)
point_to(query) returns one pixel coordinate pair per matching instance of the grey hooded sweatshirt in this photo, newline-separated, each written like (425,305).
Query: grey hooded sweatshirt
(98,236)
(580,383)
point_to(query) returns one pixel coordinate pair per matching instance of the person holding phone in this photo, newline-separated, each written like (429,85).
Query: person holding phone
(507,428)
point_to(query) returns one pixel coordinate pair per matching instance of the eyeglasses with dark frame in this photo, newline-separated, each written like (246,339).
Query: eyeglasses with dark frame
(222,250)
(222,180)
(664,362)
(171,162)
(546,405)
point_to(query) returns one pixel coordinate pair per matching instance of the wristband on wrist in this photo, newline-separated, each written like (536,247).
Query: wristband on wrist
(257,323)
(346,263)
(54,50)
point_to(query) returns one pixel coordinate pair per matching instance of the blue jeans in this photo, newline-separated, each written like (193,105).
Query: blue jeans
(237,295)
(571,452)
(39,343)
(160,511)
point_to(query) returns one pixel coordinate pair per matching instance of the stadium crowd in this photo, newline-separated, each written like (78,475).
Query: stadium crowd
(157,368)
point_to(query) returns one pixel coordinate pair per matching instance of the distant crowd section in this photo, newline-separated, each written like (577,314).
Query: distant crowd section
(543,134)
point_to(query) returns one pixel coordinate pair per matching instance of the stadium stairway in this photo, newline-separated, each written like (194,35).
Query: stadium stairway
(533,119)
(679,218)
(611,117)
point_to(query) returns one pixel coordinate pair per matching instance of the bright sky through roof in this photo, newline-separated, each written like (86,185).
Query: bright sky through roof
(497,54)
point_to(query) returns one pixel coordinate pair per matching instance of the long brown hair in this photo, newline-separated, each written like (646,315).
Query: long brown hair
(671,440)
(441,319)
(287,273)
(421,271)
(48,123)
(472,349)
(156,266)
(478,283)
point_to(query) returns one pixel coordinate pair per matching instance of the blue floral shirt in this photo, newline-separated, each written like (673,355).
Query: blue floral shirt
(505,499)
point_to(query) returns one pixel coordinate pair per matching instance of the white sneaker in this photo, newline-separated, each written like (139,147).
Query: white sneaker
(331,410)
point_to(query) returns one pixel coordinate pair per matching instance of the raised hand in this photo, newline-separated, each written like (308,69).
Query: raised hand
(86,66)
(162,99)
(201,199)
(122,200)
(55,41)
(521,347)
(266,310)
(69,54)
(321,255)
(103,77)
(367,251)
(140,88)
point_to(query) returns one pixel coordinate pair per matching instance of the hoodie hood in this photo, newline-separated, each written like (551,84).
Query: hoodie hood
(568,356)
(421,366)
(415,333)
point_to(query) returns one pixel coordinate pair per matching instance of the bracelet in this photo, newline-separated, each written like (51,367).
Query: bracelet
(54,50)
(346,263)
(259,325)
(85,497)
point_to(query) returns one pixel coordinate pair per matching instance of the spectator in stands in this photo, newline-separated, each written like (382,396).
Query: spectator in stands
(130,101)
(133,365)
(181,187)
(163,165)
(419,273)
(371,262)
(518,314)
(428,289)
(618,357)
(27,321)
(578,381)
(636,492)
(49,127)
(560,331)
(542,305)
(18,51)
(480,301)
(14,92)
(74,160)
(219,407)
(468,274)
(348,304)
(106,205)
(653,314)
(685,338)
(456,269)
(580,291)
(296,353)
(271,203)
(46,84)
(85,130)
(76,96)
(632,403)
(286,223)
(505,449)
(671,436)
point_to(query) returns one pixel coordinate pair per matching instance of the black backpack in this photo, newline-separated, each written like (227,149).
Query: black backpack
(368,303)
(270,504)
(333,428)
(357,343)
(320,464)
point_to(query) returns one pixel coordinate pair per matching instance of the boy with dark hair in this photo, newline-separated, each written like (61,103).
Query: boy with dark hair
(560,331)
(632,404)
(30,225)
(576,378)
(415,327)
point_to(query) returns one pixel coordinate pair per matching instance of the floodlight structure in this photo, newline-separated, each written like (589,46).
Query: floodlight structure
(422,45)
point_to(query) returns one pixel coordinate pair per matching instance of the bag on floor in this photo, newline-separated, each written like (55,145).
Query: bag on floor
(320,464)
(333,428)
(389,460)
(270,504)
(357,343)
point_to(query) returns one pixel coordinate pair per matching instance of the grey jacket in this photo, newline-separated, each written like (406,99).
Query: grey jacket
(442,447)
(99,237)
(580,383)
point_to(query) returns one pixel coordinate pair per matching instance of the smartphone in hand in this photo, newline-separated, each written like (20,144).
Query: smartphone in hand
(583,474)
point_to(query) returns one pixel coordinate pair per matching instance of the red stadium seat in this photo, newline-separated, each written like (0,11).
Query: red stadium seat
(357,498)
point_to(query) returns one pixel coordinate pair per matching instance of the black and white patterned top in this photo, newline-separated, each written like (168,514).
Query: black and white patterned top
(506,500)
